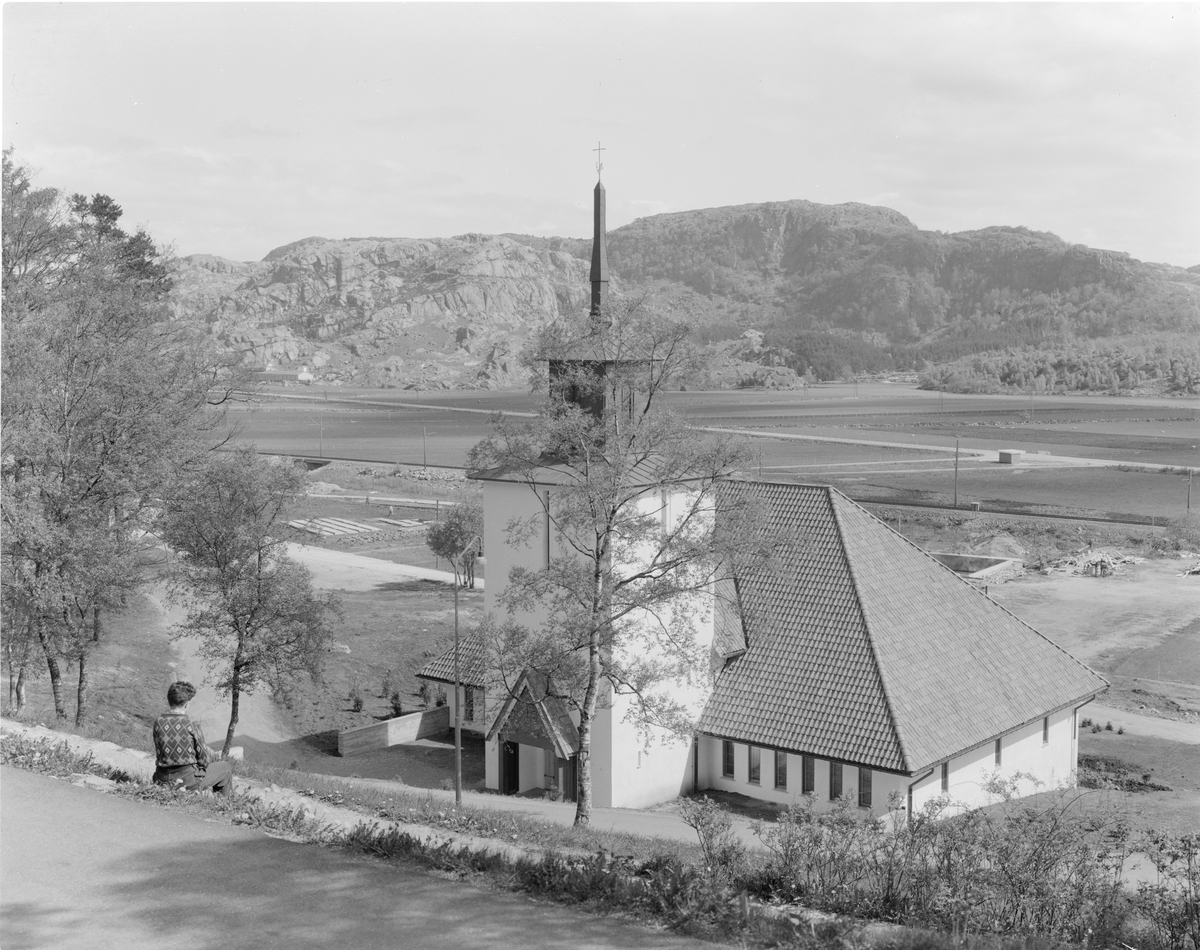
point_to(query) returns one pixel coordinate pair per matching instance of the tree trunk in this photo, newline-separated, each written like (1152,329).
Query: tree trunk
(97,626)
(587,715)
(235,685)
(20,707)
(81,694)
(60,707)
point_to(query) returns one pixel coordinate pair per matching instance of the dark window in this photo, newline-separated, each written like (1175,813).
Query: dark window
(945,776)
(808,774)
(998,748)
(835,781)
(727,759)
(1046,731)
(468,704)
(864,788)
(755,765)
(780,769)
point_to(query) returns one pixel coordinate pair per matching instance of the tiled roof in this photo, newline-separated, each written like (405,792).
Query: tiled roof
(538,714)
(862,647)
(472,664)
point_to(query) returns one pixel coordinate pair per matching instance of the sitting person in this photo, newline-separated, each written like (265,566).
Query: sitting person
(181,757)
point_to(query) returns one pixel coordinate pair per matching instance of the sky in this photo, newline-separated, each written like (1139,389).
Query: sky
(235,128)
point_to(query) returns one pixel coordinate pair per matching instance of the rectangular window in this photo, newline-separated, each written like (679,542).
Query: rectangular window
(835,781)
(780,769)
(468,704)
(808,775)
(864,788)
(998,748)
(727,759)
(755,765)
(945,776)
(1046,731)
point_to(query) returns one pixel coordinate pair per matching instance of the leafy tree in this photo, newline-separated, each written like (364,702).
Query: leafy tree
(621,600)
(449,538)
(253,609)
(105,394)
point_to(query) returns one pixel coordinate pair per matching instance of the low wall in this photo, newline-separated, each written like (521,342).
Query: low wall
(406,728)
(981,568)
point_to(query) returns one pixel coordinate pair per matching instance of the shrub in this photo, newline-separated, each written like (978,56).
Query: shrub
(355,697)
(724,853)
(397,705)
(1171,905)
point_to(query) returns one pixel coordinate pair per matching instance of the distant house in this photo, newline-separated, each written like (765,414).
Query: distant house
(472,670)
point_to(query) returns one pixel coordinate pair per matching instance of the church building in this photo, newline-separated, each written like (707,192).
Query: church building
(856,666)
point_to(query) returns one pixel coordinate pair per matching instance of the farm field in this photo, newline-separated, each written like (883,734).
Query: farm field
(1156,431)
(1097,492)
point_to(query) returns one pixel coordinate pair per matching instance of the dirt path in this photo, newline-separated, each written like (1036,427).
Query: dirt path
(258,718)
(341,570)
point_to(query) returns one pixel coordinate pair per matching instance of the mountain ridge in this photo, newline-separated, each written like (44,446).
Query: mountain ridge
(436,312)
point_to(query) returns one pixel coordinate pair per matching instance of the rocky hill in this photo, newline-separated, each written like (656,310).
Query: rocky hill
(385,311)
(453,311)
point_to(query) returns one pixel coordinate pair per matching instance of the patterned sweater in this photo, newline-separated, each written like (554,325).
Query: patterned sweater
(179,741)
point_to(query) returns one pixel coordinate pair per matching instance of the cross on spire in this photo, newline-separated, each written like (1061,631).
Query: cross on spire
(599,164)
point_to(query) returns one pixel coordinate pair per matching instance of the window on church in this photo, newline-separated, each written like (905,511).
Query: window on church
(780,769)
(835,781)
(1046,730)
(864,788)
(727,759)
(808,775)
(999,749)
(755,765)
(945,776)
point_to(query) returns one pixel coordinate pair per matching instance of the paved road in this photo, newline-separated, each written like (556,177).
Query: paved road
(90,871)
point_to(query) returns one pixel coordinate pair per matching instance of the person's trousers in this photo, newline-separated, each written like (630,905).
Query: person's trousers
(218,776)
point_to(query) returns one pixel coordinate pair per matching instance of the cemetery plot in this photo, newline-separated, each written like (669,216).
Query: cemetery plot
(327,527)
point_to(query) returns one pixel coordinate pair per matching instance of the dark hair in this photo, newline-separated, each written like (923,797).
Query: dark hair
(180,692)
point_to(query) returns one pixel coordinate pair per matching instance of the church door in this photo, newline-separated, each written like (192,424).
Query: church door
(510,768)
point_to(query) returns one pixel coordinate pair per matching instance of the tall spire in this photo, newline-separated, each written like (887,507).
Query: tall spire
(599,248)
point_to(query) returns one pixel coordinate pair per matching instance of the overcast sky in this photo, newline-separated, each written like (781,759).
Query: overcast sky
(231,128)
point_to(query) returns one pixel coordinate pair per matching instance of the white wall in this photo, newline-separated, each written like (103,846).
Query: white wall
(1052,763)
(530,767)
(476,726)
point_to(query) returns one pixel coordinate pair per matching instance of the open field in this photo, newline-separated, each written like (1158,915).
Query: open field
(1104,493)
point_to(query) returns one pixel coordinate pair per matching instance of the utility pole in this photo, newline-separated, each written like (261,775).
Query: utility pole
(424,450)
(956,474)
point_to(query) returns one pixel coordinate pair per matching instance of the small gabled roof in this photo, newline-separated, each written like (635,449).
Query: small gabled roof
(534,711)
(472,664)
(861,647)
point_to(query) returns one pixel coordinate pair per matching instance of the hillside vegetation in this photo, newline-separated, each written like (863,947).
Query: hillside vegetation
(831,289)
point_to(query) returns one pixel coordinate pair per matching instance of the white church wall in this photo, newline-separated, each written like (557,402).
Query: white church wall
(491,764)
(1050,759)
(530,767)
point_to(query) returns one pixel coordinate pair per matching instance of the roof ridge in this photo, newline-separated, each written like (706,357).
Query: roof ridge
(832,494)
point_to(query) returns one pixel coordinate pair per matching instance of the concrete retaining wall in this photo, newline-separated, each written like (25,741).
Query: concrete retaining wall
(406,728)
